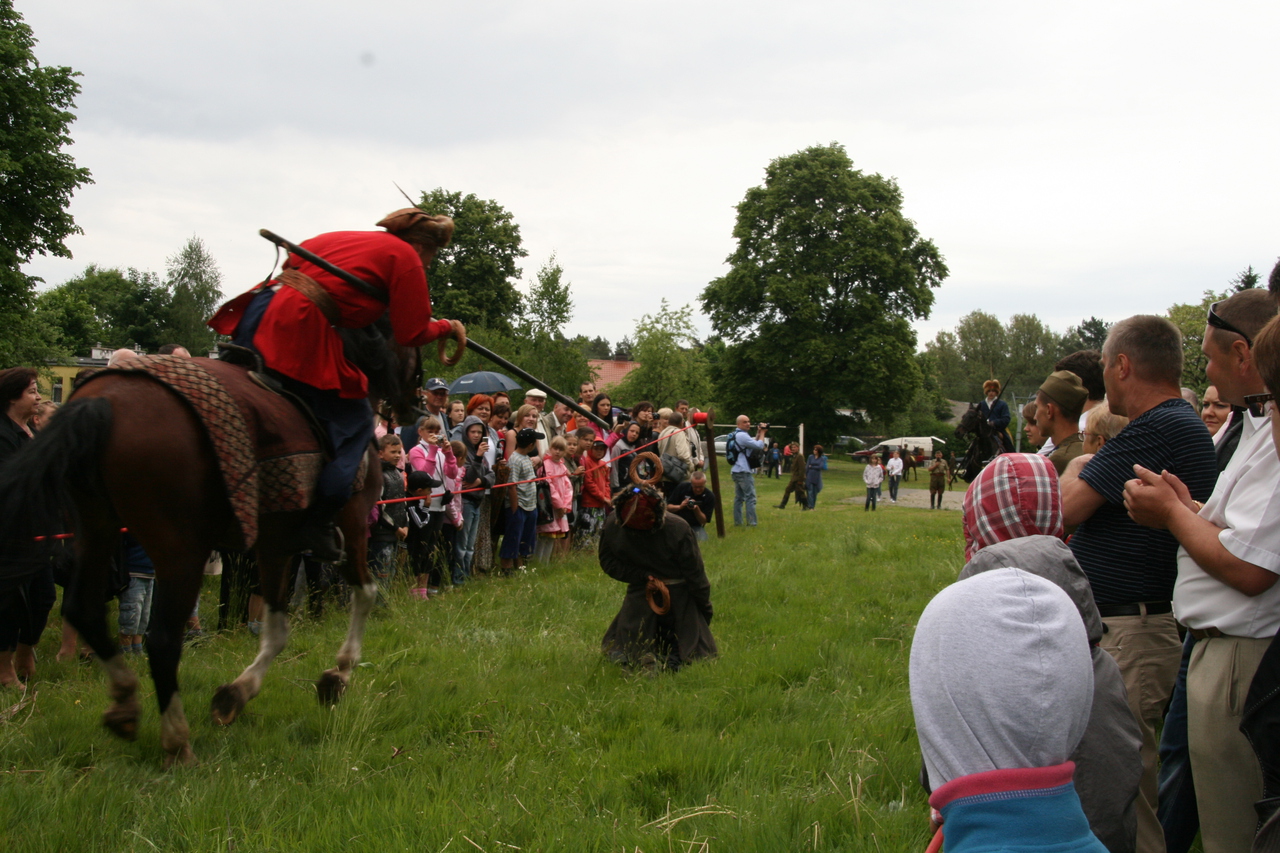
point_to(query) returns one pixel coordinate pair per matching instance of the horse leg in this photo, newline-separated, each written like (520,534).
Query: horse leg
(364,591)
(172,606)
(229,699)
(85,609)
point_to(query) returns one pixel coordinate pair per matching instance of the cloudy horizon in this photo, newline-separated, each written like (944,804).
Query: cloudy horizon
(1099,160)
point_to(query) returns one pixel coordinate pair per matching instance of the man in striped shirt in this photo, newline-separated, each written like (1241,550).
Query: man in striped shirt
(1132,568)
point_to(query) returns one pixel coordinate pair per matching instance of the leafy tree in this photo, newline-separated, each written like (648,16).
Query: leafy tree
(542,347)
(948,365)
(623,349)
(1090,334)
(549,305)
(1245,280)
(671,366)
(597,347)
(107,306)
(984,346)
(1190,320)
(816,309)
(195,289)
(38,179)
(1033,349)
(473,278)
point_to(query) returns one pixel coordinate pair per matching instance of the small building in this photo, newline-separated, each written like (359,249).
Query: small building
(609,373)
(64,374)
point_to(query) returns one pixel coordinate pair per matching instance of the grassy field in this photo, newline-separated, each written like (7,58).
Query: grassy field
(488,719)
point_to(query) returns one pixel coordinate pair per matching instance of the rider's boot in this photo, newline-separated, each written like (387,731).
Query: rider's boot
(316,534)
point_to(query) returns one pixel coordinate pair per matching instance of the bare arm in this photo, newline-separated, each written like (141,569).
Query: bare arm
(1079,500)
(1157,500)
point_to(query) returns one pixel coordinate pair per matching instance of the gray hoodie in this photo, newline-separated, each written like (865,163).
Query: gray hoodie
(1108,764)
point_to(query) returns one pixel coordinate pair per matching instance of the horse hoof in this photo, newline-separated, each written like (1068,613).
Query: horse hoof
(228,701)
(122,720)
(184,757)
(330,688)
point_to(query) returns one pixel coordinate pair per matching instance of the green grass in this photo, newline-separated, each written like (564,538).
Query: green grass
(489,720)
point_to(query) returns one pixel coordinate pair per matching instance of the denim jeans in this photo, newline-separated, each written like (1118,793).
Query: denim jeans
(894,479)
(873,493)
(135,606)
(744,494)
(464,543)
(813,495)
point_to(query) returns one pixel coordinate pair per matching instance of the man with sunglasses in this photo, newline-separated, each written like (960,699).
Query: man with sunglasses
(1132,568)
(1226,594)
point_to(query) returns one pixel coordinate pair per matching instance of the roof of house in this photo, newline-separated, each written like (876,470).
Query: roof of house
(609,372)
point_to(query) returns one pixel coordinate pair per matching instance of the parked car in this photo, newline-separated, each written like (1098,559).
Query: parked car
(721,441)
(905,444)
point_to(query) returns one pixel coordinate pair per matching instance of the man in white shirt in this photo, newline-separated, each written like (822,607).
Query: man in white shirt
(1228,563)
(893,470)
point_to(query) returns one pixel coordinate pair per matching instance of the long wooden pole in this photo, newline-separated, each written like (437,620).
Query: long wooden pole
(712,463)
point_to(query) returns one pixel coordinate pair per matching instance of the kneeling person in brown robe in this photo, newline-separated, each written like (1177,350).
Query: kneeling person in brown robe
(643,546)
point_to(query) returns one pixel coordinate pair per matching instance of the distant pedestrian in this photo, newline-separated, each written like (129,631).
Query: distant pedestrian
(744,487)
(814,466)
(939,471)
(796,484)
(873,477)
(894,472)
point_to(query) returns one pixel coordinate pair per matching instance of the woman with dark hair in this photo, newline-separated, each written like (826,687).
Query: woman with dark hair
(814,466)
(602,406)
(642,413)
(26,595)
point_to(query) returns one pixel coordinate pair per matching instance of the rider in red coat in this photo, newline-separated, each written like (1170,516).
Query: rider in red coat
(301,347)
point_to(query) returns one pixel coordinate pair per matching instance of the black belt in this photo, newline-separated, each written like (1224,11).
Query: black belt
(1154,608)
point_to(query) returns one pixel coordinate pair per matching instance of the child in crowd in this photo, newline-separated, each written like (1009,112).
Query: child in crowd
(556,534)
(522,503)
(418,484)
(453,506)
(388,523)
(873,477)
(475,477)
(434,454)
(595,495)
(938,473)
(135,601)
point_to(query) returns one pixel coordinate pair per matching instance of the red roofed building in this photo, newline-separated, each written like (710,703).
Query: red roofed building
(608,372)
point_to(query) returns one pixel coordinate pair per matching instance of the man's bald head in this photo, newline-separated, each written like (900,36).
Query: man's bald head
(743,422)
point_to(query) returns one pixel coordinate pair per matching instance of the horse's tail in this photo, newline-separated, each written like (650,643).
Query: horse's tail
(36,482)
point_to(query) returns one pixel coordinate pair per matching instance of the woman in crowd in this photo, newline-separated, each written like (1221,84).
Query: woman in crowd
(628,439)
(480,405)
(491,508)
(642,414)
(44,411)
(527,417)
(26,596)
(676,441)
(1215,412)
(476,476)
(814,466)
(602,406)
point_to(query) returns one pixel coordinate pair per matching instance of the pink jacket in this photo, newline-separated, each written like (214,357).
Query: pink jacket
(439,464)
(557,475)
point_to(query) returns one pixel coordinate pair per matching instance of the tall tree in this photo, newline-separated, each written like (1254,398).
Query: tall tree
(597,347)
(984,346)
(817,306)
(540,341)
(195,289)
(38,177)
(671,365)
(473,278)
(1190,320)
(1245,280)
(1090,334)
(107,306)
(1033,349)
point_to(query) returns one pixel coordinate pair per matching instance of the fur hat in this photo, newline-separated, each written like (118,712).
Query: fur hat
(419,228)
(640,507)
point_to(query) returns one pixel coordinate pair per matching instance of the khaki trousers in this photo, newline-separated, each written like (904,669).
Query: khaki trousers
(1148,652)
(1226,771)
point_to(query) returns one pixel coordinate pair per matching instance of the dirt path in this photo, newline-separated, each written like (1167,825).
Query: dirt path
(915,498)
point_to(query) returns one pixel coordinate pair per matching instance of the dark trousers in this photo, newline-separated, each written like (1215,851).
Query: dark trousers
(239,580)
(24,609)
(522,534)
(427,552)
(1177,793)
(798,489)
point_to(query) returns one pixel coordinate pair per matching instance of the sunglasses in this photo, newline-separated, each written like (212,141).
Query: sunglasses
(1257,403)
(1219,323)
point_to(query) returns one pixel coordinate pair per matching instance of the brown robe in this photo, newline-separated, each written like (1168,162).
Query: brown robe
(669,552)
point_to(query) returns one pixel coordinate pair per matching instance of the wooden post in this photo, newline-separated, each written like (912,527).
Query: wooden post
(802,450)
(712,463)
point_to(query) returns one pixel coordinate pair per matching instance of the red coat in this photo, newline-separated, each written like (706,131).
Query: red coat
(295,339)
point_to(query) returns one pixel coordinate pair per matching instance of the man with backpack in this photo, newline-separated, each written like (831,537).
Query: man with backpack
(744,453)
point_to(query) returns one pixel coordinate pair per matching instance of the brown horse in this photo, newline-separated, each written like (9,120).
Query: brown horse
(128,452)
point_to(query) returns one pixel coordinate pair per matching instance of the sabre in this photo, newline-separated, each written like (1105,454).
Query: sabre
(367,288)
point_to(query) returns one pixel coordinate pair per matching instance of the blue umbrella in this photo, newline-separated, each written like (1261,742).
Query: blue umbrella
(482,382)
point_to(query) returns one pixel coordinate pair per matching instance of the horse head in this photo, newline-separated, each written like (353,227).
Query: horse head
(969,421)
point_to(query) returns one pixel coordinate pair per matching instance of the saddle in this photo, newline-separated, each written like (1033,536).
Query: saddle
(266,444)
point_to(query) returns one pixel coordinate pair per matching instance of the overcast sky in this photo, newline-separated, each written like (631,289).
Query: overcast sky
(1096,158)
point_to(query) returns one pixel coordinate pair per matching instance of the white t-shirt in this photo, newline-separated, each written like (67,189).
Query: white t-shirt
(894,466)
(1246,504)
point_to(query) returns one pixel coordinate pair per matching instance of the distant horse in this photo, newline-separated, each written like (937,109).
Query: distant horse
(911,463)
(127,451)
(984,444)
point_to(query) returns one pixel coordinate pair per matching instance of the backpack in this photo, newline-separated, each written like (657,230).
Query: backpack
(732,451)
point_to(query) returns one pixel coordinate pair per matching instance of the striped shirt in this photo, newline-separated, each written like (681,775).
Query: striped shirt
(1125,562)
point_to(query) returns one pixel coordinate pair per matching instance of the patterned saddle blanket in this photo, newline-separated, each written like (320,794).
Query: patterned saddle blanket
(269,458)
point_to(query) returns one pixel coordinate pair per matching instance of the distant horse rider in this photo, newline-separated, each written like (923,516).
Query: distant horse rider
(995,412)
(292,322)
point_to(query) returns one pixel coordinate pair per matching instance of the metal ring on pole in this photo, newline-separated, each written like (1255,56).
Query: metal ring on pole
(657,469)
(460,335)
